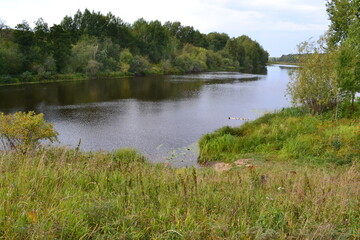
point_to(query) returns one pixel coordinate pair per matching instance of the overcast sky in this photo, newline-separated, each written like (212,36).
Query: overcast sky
(278,25)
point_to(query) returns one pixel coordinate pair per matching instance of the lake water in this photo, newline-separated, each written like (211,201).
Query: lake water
(160,116)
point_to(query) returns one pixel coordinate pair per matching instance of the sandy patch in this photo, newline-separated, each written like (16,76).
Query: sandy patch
(222,167)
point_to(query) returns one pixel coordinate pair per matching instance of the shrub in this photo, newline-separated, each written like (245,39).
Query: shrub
(22,131)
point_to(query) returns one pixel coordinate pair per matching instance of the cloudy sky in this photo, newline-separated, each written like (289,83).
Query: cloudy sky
(278,25)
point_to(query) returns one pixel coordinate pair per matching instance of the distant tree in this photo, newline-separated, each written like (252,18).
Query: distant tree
(42,32)
(24,37)
(3,25)
(126,58)
(289,58)
(108,55)
(139,65)
(82,52)
(214,60)
(153,39)
(191,59)
(93,67)
(250,55)
(217,41)
(60,41)
(11,59)
(186,34)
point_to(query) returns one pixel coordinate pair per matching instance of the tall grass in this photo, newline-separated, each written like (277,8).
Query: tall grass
(58,193)
(290,134)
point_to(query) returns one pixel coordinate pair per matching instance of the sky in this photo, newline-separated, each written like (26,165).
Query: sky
(278,25)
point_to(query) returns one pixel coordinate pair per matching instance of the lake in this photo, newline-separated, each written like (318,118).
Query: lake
(161,116)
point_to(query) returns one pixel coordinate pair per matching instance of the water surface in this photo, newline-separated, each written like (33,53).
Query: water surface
(155,115)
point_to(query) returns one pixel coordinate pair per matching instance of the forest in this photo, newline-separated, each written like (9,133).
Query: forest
(90,44)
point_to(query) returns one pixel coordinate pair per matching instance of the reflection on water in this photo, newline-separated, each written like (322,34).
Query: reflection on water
(157,115)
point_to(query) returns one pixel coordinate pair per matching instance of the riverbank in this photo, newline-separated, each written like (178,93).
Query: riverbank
(155,71)
(288,134)
(65,194)
(61,78)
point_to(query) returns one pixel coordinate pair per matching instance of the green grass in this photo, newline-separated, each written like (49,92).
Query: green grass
(288,134)
(58,193)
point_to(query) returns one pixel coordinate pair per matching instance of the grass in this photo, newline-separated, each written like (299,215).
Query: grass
(288,134)
(59,193)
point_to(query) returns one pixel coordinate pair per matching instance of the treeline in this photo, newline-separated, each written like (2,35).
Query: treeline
(288,58)
(93,44)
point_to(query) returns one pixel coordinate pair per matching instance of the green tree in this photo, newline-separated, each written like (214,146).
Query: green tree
(153,39)
(191,59)
(93,67)
(314,84)
(348,65)
(60,44)
(41,32)
(10,58)
(108,55)
(247,52)
(217,41)
(82,52)
(342,14)
(126,59)
(139,65)
(24,37)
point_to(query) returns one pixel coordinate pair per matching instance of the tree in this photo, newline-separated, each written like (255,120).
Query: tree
(93,67)
(247,52)
(3,25)
(314,83)
(345,38)
(191,59)
(23,131)
(126,58)
(41,34)
(342,14)
(60,41)
(24,37)
(153,39)
(217,41)
(108,55)
(82,52)
(348,63)
(139,65)
(11,58)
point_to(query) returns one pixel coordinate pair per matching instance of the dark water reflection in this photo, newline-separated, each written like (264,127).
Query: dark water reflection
(153,114)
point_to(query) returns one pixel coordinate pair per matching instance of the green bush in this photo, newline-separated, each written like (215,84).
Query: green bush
(23,131)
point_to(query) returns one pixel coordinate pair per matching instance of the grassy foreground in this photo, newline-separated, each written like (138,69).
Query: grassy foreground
(59,193)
